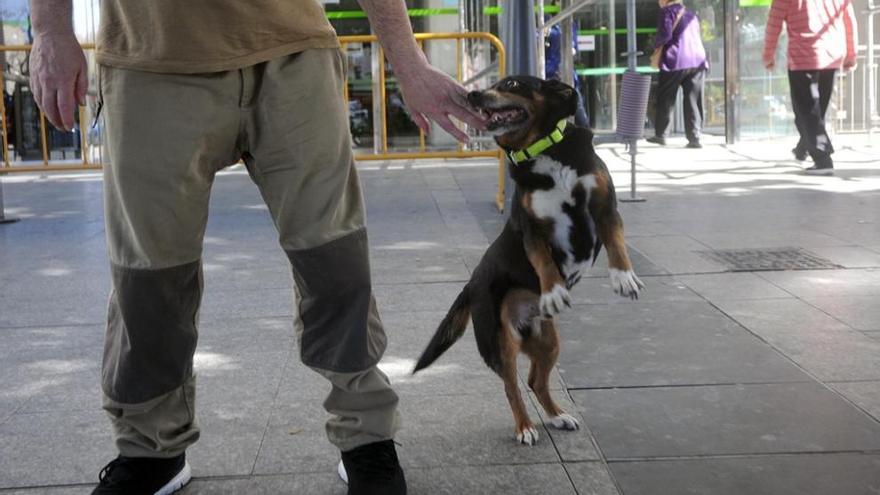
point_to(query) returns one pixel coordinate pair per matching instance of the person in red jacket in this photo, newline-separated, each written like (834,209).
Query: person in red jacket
(821,39)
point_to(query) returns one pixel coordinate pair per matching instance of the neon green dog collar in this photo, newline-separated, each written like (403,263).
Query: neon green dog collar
(540,145)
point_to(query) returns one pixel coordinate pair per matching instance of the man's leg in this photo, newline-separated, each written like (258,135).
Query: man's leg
(298,150)
(167,135)
(692,89)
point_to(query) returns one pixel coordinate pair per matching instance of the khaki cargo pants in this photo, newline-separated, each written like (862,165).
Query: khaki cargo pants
(167,135)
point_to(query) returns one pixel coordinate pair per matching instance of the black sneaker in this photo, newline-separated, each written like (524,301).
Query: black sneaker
(694,144)
(800,154)
(143,476)
(373,469)
(819,170)
(657,140)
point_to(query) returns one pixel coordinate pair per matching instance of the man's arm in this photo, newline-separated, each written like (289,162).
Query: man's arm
(778,12)
(849,23)
(428,92)
(58,72)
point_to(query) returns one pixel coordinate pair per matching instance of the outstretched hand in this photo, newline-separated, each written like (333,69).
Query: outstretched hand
(58,77)
(432,94)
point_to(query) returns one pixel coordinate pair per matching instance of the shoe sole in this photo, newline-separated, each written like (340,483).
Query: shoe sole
(340,470)
(177,482)
(829,171)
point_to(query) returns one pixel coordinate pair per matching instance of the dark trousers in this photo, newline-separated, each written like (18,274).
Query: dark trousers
(810,94)
(691,83)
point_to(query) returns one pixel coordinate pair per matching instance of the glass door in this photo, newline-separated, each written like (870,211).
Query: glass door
(601,59)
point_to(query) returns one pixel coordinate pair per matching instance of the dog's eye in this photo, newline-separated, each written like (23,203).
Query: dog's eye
(511,85)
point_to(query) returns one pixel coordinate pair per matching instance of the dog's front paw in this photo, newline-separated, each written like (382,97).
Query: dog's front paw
(527,435)
(552,303)
(565,422)
(625,283)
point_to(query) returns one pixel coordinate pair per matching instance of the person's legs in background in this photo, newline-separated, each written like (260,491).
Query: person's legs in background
(826,87)
(667,89)
(807,89)
(692,91)
(581,117)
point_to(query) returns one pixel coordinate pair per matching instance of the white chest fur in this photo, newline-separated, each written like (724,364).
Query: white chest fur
(547,204)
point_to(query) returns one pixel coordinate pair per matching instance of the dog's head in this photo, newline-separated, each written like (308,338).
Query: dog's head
(522,109)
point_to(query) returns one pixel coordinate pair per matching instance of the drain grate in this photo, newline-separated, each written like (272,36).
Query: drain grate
(753,260)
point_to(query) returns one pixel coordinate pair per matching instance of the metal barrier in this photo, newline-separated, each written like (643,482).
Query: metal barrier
(381,152)
(384,154)
(48,164)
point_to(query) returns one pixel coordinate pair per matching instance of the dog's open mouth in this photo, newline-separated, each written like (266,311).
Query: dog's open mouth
(503,116)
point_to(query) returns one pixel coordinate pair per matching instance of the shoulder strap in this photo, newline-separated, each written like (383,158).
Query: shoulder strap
(678,18)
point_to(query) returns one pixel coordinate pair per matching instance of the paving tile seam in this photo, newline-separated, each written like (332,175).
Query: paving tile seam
(794,363)
(793,454)
(51,327)
(608,471)
(266,428)
(537,406)
(10,489)
(330,470)
(55,325)
(824,384)
(429,282)
(694,385)
(401,453)
(596,446)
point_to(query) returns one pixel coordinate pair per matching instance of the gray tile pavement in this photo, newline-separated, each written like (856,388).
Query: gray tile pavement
(850,474)
(713,382)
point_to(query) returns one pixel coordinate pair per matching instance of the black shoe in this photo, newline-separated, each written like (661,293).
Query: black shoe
(657,140)
(373,469)
(819,170)
(143,476)
(694,144)
(800,154)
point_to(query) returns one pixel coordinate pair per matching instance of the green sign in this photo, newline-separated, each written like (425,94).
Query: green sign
(360,14)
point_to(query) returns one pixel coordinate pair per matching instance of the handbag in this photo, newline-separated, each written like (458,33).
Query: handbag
(658,52)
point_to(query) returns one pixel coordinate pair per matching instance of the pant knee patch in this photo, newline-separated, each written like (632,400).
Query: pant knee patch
(341,327)
(151,331)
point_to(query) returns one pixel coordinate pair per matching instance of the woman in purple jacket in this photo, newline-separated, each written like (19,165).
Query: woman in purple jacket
(682,63)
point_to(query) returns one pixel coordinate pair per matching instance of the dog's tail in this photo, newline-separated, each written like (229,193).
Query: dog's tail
(450,330)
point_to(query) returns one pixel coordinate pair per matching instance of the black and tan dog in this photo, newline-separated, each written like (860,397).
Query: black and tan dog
(564,209)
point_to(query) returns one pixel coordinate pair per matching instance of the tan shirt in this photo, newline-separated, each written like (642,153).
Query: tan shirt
(194,36)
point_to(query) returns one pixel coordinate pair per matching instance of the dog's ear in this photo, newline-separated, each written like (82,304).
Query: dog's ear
(564,94)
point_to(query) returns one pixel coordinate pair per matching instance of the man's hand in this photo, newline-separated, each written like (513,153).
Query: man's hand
(850,63)
(59,77)
(769,63)
(431,94)
(428,93)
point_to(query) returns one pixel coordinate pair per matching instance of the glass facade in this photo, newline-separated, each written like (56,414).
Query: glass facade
(761,108)
(741,100)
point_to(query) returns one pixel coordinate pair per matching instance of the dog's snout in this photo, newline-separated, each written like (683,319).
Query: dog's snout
(475,97)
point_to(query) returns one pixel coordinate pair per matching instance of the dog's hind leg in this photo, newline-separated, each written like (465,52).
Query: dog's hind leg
(543,350)
(525,430)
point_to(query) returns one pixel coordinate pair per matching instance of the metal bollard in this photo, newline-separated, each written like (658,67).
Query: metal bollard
(634,91)
(3,217)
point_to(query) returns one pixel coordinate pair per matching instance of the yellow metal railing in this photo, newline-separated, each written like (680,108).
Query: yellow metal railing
(49,165)
(460,152)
